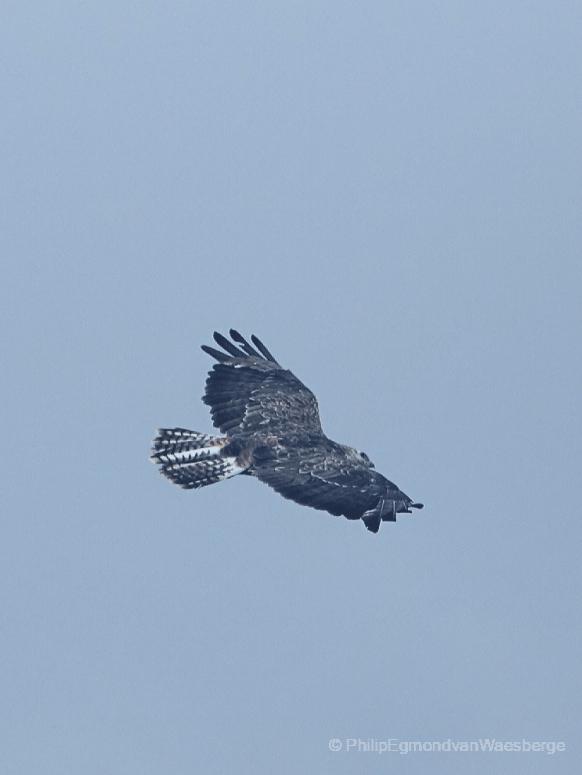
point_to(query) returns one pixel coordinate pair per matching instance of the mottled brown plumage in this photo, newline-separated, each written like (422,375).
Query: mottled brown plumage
(273,432)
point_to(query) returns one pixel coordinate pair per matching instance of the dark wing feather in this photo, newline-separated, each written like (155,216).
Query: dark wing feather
(230,348)
(325,477)
(256,341)
(244,344)
(221,357)
(248,392)
(321,477)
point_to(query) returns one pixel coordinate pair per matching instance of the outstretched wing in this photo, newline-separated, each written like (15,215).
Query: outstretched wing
(325,478)
(248,391)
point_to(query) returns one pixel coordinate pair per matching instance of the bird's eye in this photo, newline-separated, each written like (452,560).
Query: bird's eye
(366,460)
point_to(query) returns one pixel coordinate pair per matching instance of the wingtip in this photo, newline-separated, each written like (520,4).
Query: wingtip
(372,520)
(372,527)
(219,356)
(264,351)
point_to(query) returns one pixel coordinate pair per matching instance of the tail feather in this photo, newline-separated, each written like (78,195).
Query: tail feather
(191,459)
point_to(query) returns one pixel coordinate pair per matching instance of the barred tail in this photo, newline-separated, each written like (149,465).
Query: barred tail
(192,459)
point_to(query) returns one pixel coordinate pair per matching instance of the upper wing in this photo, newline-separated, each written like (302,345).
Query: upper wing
(248,391)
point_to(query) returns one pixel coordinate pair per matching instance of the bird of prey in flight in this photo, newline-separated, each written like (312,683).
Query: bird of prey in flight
(270,429)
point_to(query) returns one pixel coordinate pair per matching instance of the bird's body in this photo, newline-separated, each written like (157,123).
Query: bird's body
(273,432)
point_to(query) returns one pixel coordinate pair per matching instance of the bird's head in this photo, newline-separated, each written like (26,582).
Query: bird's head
(359,457)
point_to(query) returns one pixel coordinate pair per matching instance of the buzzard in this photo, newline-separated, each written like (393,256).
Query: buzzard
(271,430)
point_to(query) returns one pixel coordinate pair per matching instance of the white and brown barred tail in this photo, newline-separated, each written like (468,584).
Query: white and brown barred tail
(192,459)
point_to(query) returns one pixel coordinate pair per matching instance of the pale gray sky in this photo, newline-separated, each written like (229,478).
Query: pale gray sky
(389,194)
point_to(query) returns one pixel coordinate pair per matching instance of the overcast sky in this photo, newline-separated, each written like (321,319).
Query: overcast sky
(389,195)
